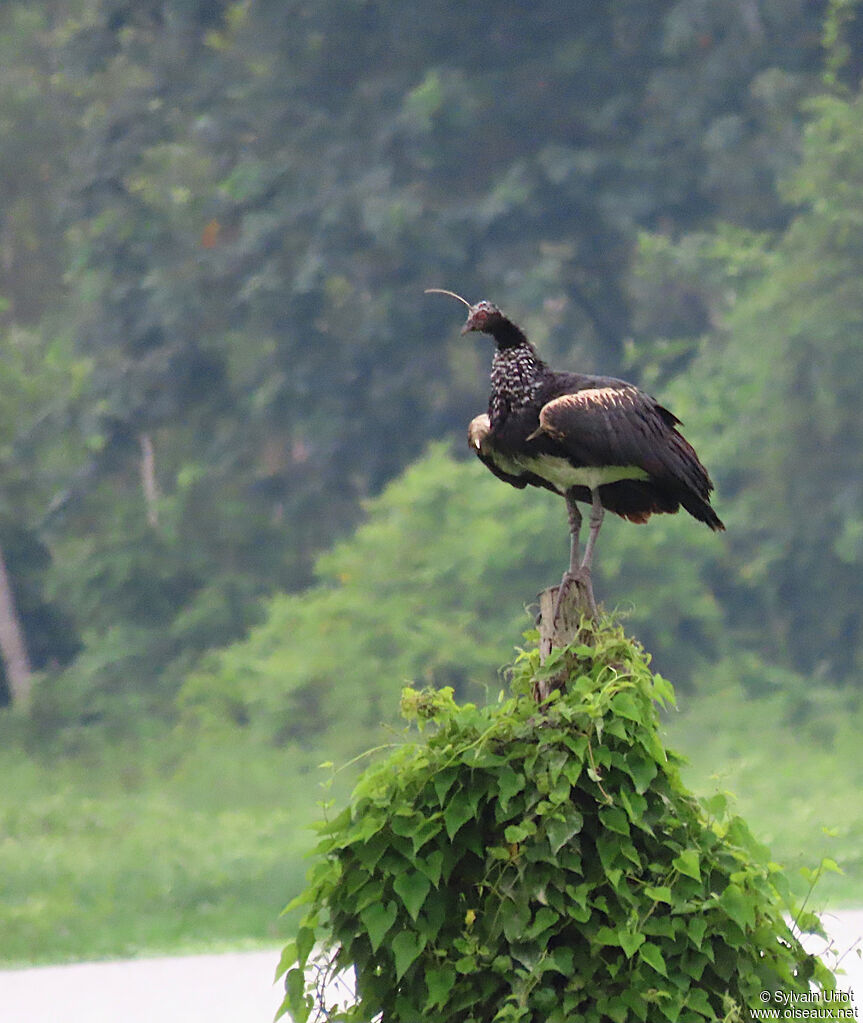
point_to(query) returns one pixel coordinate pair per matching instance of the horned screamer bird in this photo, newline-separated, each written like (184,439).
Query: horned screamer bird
(594,439)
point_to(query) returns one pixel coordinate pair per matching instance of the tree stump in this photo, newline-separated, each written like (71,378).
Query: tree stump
(558,631)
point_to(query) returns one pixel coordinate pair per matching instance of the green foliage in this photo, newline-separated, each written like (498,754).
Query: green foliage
(233,209)
(124,848)
(428,590)
(782,430)
(743,731)
(843,26)
(527,864)
(411,596)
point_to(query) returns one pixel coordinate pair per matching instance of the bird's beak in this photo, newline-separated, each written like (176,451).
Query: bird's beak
(469,326)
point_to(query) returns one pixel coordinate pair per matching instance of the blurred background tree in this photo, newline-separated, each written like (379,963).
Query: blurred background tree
(219,225)
(235,496)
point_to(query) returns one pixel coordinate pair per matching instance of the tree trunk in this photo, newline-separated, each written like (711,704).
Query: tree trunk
(13,649)
(148,479)
(558,631)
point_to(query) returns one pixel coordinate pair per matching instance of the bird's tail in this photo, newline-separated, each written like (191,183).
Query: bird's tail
(701,510)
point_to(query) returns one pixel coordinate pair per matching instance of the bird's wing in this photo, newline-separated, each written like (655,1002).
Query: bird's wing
(621,425)
(479,439)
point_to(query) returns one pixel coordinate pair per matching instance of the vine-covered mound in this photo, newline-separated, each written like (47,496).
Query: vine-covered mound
(528,863)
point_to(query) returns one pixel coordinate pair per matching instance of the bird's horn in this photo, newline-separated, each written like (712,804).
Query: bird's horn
(443,291)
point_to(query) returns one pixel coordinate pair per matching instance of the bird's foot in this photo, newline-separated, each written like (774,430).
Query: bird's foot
(581,582)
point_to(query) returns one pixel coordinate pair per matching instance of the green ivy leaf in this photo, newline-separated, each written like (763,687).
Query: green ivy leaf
(636,1003)
(515,916)
(630,942)
(286,959)
(831,866)
(406,946)
(696,928)
(615,1008)
(560,832)
(544,919)
(431,865)
(295,988)
(519,832)
(635,807)
(336,824)
(659,893)
(694,965)
(412,887)
(717,804)
(370,892)
(370,852)
(697,999)
(651,955)
(738,905)
(377,920)
(439,983)
(510,783)
(443,782)
(607,936)
(608,849)
(625,706)
(562,960)
(432,917)
(305,943)
(688,863)
(642,772)
(426,831)
(459,810)
(614,819)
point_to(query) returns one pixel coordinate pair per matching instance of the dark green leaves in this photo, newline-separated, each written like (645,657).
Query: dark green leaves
(651,954)
(377,919)
(630,942)
(514,850)
(459,808)
(412,887)
(688,863)
(560,832)
(659,893)
(439,982)
(509,783)
(406,946)
(739,905)
(614,819)
(642,772)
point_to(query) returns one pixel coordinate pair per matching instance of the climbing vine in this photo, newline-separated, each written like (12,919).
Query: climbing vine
(521,863)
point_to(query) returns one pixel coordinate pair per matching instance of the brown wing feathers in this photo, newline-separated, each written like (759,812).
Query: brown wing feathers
(609,426)
(624,426)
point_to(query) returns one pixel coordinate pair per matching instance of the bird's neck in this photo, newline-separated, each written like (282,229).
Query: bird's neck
(517,374)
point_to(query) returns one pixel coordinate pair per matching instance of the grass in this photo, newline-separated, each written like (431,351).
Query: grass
(793,765)
(121,852)
(170,845)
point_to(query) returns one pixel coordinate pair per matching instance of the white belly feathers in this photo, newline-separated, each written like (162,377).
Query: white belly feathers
(561,475)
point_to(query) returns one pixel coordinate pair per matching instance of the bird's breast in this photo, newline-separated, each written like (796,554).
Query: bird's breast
(563,475)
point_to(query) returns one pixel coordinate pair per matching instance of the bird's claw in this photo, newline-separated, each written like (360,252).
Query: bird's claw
(580,578)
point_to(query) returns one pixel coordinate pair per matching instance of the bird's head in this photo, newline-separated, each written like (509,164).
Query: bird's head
(483,316)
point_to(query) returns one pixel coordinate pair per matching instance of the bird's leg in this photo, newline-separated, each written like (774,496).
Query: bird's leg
(574,513)
(596,514)
(572,573)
